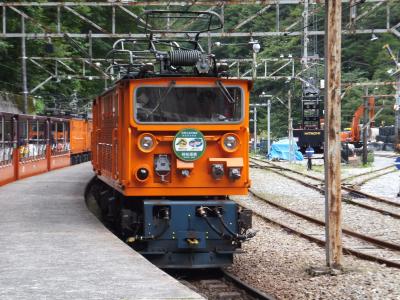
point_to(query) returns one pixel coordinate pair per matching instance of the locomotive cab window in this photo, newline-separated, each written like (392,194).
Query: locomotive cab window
(153,104)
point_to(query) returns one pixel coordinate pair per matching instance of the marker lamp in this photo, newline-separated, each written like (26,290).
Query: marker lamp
(230,142)
(147,142)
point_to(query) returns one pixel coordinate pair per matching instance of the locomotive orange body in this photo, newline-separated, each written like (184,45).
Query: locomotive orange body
(118,155)
(170,145)
(171,162)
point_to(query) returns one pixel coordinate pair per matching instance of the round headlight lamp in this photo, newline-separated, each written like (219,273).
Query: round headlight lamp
(230,142)
(146,142)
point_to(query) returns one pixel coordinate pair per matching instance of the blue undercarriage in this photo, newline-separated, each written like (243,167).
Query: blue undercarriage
(192,233)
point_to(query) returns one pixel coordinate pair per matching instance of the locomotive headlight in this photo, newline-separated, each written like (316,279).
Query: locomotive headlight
(230,142)
(146,142)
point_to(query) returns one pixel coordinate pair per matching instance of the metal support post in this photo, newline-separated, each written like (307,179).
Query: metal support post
(254,65)
(387,15)
(24,78)
(397,113)
(290,126)
(305,32)
(255,129)
(58,19)
(353,14)
(4,20)
(277,17)
(269,126)
(209,43)
(90,46)
(365,128)
(333,200)
(113,20)
(222,15)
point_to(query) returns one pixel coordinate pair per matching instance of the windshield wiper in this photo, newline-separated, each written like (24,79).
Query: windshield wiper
(162,99)
(225,92)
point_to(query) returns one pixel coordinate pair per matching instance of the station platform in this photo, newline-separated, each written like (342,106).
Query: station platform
(52,247)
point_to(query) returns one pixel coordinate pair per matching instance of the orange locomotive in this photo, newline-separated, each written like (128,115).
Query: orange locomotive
(169,148)
(129,145)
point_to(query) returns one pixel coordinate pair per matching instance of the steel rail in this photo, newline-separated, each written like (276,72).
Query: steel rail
(349,232)
(349,178)
(374,177)
(386,155)
(322,243)
(253,292)
(347,200)
(348,189)
(317,178)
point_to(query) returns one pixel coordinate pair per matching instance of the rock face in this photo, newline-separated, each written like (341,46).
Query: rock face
(8,103)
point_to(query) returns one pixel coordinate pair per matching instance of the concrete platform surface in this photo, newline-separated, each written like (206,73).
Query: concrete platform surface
(52,247)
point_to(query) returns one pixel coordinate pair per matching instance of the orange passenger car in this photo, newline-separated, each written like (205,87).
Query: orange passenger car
(80,140)
(31,145)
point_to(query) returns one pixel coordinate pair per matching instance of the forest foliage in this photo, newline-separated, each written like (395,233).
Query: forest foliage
(362,59)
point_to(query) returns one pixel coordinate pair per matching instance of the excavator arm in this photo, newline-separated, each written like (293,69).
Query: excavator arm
(355,129)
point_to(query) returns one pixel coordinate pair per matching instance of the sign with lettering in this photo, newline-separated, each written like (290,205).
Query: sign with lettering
(189,144)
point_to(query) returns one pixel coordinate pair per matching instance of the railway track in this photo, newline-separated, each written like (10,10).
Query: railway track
(214,283)
(312,229)
(354,196)
(387,155)
(360,179)
(219,284)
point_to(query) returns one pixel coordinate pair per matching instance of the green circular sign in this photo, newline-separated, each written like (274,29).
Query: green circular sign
(189,144)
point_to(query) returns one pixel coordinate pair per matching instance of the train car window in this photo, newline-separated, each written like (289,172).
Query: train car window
(22,132)
(53,137)
(32,147)
(58,137)
(188,105)
(23,139)
(6,148)
(42,138)
(2,142)
(67,135)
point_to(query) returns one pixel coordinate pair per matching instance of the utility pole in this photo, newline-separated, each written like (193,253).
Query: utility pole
(290,126)
(333,197)
(255,129)
(255,105)
(24,79)
(262,97)
(269,126)
(397,74)
(397,111)
(365,127)
(305,33)
(255,46)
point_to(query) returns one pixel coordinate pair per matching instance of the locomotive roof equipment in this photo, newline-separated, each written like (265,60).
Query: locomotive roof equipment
(157,55)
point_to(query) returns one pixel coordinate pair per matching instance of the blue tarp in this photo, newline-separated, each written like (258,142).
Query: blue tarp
(280,150)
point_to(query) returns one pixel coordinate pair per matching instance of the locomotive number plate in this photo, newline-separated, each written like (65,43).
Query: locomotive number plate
(189,144)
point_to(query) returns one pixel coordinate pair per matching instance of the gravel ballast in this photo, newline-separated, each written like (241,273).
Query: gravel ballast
(277,261)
